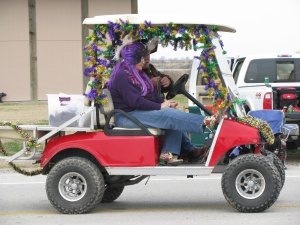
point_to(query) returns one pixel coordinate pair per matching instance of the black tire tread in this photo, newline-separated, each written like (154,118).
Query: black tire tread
(272,192)
(111,194)
(278,164)
(91,169)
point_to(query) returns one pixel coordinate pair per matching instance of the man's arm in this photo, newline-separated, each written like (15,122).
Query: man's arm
(166,81)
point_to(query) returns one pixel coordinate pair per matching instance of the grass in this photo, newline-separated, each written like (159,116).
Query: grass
(42,122)
(13,146)
(25,113)
(182,101)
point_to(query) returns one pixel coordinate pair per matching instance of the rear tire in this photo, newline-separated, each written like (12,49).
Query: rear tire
(251,183)
(75,185)
(111,194)
(277,163)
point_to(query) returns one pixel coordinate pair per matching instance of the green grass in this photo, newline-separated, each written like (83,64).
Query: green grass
(13,146)
(182,101)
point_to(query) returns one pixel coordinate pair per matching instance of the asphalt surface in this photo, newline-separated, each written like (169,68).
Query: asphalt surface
(162,200)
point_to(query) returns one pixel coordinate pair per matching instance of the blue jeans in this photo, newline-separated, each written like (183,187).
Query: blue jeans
(176,124)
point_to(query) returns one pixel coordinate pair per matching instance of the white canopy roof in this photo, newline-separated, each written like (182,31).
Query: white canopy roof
(155,19)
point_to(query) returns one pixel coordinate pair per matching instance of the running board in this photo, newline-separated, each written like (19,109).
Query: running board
(161,170)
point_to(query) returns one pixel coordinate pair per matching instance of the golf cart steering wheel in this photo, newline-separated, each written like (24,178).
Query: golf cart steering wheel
(178,87)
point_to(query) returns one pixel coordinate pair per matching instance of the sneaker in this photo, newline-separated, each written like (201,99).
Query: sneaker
(210,121)
(167,158)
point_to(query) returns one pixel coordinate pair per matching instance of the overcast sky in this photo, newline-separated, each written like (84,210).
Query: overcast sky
(263,26)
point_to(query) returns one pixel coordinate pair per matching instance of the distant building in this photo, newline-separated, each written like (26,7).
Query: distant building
(41,45)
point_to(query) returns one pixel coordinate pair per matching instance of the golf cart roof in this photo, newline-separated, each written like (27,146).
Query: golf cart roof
(155,19)
(112,32)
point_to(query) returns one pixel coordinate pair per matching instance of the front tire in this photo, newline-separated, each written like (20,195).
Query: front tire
(251,183)
(75,185)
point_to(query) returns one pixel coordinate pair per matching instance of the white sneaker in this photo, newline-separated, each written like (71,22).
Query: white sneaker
(167,158)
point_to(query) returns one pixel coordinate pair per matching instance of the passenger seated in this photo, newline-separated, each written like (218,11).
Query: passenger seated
(132,91)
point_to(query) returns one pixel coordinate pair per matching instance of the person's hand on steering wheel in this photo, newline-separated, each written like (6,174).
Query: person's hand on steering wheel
(178,87)
(165,82)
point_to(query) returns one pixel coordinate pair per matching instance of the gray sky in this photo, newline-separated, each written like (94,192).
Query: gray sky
(263,26)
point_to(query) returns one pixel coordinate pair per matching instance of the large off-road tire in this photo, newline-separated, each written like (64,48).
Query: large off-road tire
(111,194)
(251,183)
(277,163)
(75,185)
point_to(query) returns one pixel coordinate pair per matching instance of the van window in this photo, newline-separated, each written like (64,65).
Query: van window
(276,70)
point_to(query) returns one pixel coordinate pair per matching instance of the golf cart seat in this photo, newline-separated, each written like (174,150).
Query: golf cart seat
(107,112)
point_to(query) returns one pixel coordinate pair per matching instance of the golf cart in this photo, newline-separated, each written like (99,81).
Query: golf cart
(93,166)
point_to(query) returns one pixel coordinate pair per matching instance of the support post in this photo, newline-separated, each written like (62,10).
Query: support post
(32,50)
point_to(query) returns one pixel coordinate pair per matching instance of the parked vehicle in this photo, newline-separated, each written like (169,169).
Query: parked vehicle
(94,165)
(281,74)
(269,81)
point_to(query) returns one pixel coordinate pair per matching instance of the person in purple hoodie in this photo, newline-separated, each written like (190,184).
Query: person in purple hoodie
(132,91)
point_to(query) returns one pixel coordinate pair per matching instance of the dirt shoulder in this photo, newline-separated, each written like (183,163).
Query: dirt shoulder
(25,112)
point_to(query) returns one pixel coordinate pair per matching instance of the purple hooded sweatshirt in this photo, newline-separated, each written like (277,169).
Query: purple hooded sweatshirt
(126,92)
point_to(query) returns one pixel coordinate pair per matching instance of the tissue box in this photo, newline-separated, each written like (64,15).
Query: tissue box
(62,108)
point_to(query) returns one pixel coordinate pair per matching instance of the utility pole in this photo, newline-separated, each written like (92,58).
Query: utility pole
(134,7)
(32,49)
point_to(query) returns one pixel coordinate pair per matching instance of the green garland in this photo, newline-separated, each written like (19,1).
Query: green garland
(32,142)
(106,38)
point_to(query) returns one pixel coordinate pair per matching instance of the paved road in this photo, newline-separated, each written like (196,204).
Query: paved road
(163,200)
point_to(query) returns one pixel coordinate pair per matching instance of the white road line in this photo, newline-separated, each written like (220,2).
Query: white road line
(23,183)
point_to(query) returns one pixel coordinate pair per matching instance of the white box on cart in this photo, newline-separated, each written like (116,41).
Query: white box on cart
(63,107)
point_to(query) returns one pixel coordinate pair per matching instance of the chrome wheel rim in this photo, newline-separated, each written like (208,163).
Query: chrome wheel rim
(250,184)
(72,186)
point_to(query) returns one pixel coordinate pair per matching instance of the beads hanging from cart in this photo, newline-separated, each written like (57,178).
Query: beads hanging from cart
(262,125)
(32,142)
